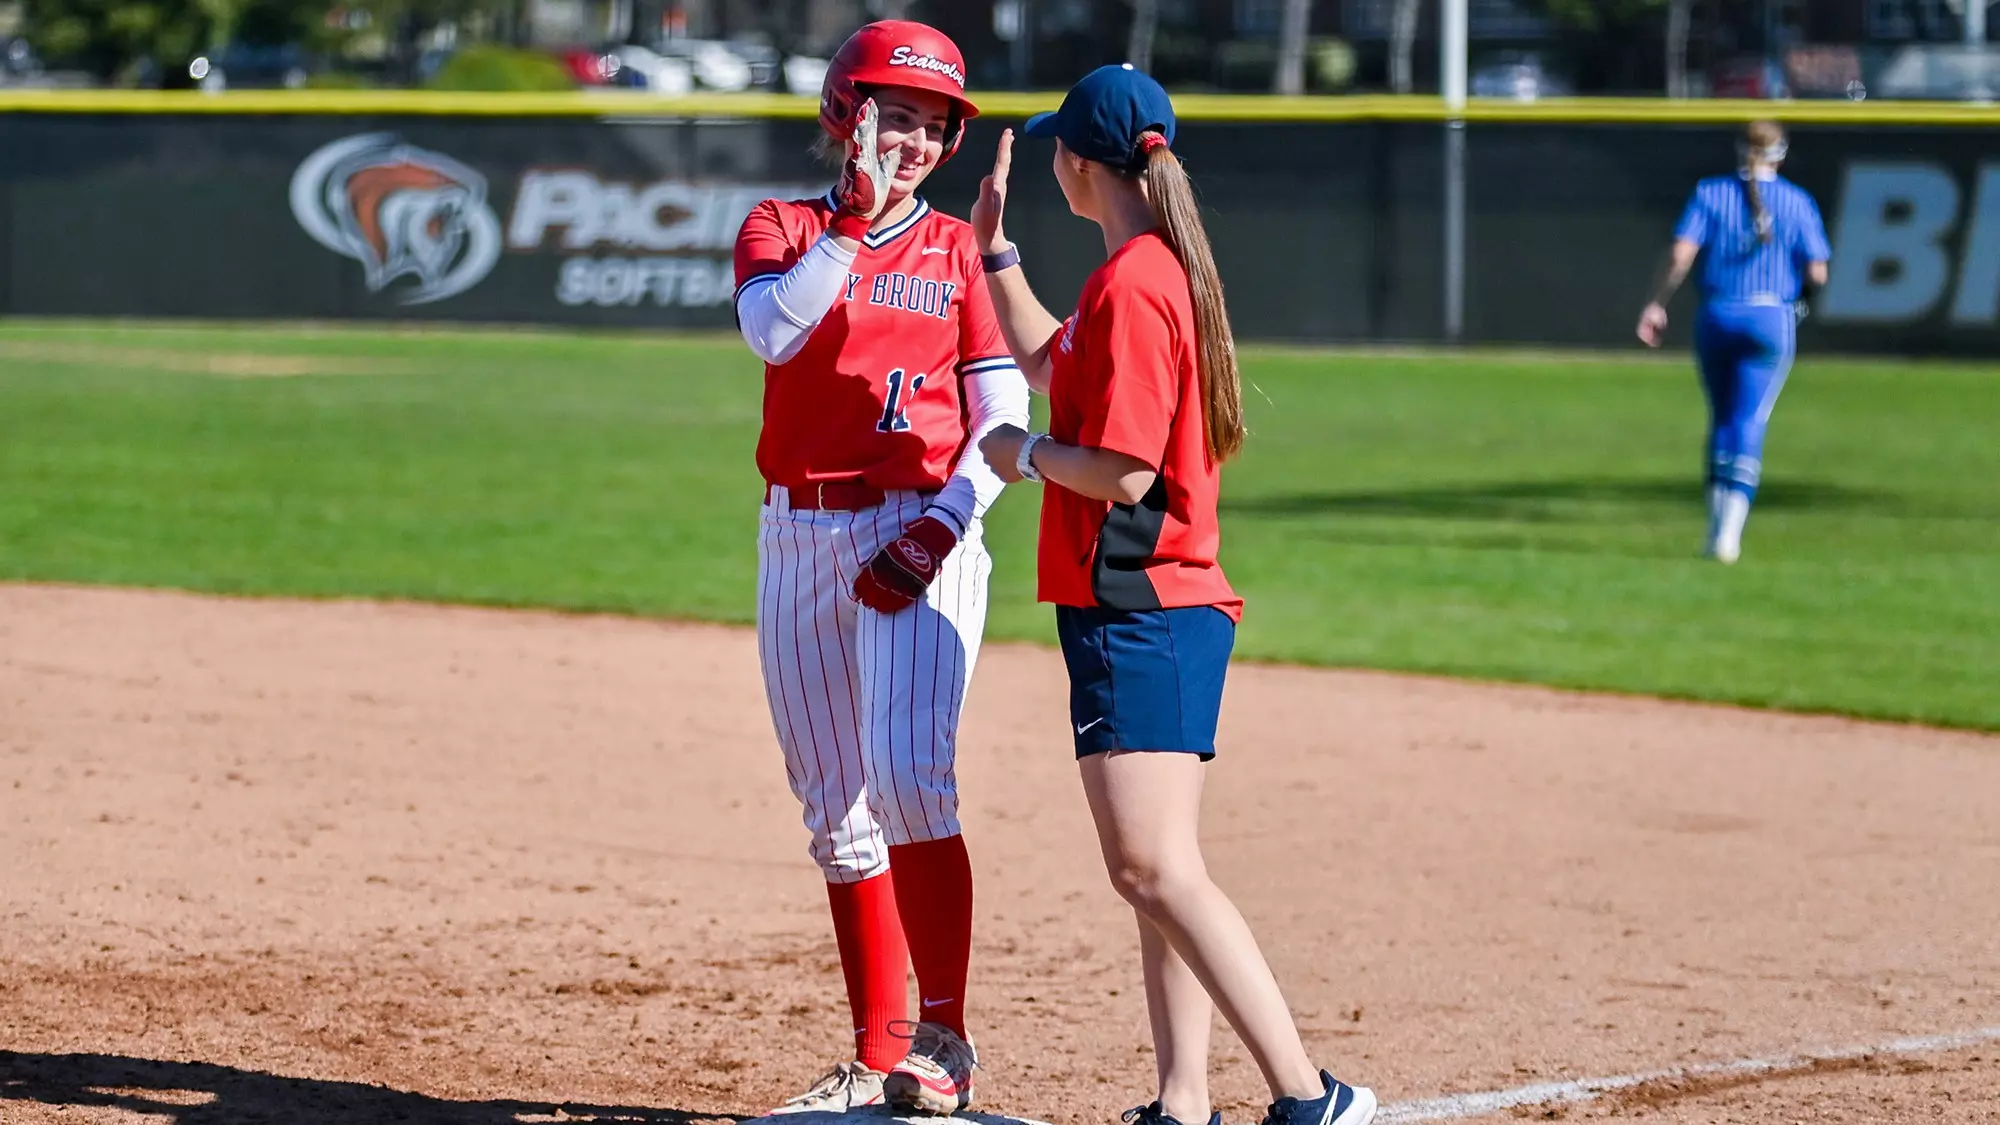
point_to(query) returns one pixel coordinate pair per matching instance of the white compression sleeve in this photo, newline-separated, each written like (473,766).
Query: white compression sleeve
(994,396)
(776,314)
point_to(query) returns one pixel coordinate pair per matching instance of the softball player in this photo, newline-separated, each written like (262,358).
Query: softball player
(1757,235)
(1145,405)
(882,362)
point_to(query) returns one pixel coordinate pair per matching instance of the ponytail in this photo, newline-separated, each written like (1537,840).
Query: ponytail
(1760,214)
(1763,142)
(1179,218)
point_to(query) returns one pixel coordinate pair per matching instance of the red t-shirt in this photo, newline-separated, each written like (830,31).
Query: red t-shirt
(1124,378)
(874,393)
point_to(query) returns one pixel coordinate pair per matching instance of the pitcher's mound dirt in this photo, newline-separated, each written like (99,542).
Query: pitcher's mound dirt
(351,864)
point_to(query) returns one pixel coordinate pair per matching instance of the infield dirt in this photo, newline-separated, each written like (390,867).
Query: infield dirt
(354,863)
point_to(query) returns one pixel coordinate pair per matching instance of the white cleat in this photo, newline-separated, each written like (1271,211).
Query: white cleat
(846,1087)
(936,1077)
(1729,511)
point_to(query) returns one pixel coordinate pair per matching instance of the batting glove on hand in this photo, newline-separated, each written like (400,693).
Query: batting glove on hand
(899,573)
(863,189)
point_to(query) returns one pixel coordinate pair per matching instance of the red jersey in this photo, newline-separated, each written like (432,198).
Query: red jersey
(874,393)
(1124,377)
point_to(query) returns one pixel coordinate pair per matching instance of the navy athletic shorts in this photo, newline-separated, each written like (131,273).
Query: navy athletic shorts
(1147,679)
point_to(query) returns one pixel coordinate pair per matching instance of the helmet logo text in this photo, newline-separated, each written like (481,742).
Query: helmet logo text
(906,56)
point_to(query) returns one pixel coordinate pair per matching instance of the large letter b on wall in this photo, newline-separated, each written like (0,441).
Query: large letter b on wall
(1889,262)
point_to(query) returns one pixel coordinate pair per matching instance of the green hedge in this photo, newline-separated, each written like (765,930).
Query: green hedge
(339,80)
(502,70)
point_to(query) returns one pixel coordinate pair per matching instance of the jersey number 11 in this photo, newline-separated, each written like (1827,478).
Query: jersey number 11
(895,420)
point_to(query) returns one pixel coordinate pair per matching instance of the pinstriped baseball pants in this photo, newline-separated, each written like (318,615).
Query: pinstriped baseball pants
(865,705)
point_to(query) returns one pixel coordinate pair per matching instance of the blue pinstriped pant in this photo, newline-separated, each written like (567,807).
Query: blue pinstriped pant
(1744,352)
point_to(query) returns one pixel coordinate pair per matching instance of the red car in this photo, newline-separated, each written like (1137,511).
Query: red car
(590,67)
(1749,77)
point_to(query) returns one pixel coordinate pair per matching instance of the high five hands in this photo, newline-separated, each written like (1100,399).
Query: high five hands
(1002,445)
(989,209)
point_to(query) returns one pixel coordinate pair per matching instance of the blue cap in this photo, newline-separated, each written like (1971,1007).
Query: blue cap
(1102,116)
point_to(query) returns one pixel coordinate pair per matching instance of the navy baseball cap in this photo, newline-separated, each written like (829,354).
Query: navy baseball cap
(1102,116)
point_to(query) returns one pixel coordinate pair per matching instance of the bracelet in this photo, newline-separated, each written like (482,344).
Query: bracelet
(1024,463)
(1005,259)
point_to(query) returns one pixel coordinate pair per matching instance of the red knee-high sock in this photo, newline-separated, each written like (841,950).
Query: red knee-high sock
(876,961)
(934,897)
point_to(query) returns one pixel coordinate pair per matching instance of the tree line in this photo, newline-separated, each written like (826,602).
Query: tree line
(125,40)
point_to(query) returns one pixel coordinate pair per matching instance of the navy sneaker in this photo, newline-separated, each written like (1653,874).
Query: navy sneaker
(1154,1115)
(1340,1105)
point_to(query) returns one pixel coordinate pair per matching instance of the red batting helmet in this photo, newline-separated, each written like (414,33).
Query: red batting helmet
(894,53)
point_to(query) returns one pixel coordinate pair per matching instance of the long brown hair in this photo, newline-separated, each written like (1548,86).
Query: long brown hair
(1759,137)
(1179,216)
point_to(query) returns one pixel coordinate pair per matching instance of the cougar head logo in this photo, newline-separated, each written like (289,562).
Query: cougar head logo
(401,211)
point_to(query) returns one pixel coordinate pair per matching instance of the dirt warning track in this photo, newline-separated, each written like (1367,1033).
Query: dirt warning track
(355,863)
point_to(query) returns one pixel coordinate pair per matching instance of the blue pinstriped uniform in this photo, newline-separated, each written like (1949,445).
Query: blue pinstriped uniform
(1746,334)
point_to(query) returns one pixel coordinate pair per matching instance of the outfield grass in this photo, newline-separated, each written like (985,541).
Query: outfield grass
(1518,517)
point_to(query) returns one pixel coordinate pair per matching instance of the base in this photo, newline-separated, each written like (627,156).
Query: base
(883,1115)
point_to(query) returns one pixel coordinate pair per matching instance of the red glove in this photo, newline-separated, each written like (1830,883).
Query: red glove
(863,189)
(899,573)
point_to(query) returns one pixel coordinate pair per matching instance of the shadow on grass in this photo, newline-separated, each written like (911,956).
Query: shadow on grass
(194,1093)
(1576,500)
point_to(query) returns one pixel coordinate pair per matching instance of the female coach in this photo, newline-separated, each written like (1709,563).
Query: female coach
(1145,405)
(1756,234)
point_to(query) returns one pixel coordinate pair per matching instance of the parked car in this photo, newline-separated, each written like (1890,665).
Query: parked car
(713,63)
(1818,70)
(646,69)
(17,61)
(246,66)
(766,62)
(590,66)
(805,74)
(20,66)
(1519,77)
(1941,72)
(1749,76)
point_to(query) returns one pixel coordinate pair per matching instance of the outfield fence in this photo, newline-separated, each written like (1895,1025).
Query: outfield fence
(603,210)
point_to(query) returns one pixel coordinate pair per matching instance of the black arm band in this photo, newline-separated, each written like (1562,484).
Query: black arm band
(1005,259)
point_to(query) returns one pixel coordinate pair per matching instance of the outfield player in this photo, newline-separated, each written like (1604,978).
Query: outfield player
(1757,235)
(882,362)
(1145,404)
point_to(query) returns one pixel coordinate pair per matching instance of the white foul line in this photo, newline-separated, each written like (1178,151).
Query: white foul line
(1586,1089)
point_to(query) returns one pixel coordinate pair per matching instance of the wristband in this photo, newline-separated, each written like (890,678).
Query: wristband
(1024,463)
(951,519)
(847,224)
(1005,259)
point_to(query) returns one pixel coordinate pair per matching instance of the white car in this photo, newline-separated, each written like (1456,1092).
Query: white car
(804,74)
(653,72)
(1942,72)
(1517,79)
(713,65)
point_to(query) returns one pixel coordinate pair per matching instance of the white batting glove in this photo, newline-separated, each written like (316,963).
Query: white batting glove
(863,190)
